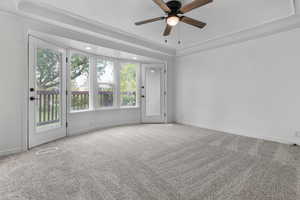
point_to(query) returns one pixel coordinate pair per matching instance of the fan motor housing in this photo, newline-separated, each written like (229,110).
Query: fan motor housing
(174,5)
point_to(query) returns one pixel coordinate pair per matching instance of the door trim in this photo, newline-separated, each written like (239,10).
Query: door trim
(163,116)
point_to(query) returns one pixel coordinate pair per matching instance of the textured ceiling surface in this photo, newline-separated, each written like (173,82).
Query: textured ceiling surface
(222,17)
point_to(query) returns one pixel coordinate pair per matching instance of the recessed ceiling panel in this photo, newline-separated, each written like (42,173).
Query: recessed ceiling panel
(230,16)
(223,17)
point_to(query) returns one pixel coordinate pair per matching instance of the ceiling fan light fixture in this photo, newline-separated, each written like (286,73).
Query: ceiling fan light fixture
(174,11)
(172,20)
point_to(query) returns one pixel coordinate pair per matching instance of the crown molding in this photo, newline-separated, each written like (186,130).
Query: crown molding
(45,11)
(33,26)
(266,29)
(263,30)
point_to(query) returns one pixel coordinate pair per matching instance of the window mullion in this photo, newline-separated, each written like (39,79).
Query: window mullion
(68,70)
(117,83)
(138,85)
(93,86)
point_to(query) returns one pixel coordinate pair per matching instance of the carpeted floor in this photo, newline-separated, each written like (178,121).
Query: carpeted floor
(153,162)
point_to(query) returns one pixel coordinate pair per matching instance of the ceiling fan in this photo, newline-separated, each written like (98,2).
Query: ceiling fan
(174,11)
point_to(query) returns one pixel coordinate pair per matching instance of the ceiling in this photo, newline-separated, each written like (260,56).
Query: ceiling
(222,16)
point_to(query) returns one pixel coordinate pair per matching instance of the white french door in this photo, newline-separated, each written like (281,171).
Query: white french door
(153,93)
(47,92)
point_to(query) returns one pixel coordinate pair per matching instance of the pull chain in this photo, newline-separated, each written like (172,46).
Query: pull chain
(179,34)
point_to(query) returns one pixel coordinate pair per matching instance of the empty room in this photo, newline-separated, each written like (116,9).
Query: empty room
(149,100)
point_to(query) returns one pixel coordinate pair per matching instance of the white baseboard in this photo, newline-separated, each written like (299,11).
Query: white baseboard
(73,133)
(267,138)
(11,151)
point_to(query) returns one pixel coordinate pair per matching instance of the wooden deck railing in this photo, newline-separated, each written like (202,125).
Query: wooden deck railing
(48,105)
(80,100)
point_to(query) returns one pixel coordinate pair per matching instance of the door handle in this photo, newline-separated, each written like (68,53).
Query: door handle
(143,96)
(33,98)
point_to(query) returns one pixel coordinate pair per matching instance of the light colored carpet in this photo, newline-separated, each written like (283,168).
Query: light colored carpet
(153,162)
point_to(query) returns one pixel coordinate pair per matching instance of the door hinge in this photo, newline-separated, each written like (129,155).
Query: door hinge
(67,92)
(165,93)
(165,71)
(67,124)
(165,114)
(67,59)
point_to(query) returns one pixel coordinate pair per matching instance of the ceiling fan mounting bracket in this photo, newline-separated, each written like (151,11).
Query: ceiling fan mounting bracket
(174,5)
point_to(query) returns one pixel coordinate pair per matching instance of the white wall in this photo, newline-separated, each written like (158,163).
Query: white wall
(87,121)
(170,90)
(251,88)
(13,68)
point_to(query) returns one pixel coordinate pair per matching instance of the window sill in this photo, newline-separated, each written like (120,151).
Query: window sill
(116,108)
(80,111)
(104,109)
(129,107)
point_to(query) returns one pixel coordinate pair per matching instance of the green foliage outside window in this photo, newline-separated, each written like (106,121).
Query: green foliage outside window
(47,69)
(128,84)
(79,69)
(48,62)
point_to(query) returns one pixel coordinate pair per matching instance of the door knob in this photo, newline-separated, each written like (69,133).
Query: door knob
(143,96)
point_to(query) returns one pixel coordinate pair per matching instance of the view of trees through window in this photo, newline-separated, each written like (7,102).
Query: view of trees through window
(48,77)
(47,72)
(79,72)
(128,84)
(105,83)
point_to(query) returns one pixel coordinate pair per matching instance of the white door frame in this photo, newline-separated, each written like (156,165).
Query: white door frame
(157,118)
(37,136)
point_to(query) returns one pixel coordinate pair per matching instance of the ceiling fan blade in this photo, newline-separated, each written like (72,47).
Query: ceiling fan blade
(193,22)
(167,30)
(194,4)
(149,21)
(162,5)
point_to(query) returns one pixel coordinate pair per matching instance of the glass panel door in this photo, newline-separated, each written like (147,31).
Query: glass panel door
(47,96)
(152,93)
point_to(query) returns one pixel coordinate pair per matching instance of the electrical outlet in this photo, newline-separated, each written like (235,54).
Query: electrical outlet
(297,133)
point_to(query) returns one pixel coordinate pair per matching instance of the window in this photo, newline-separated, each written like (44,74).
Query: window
(105,83)
(128,84)
(80,84)
(99,82)
(48,86)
